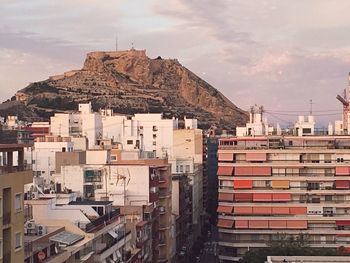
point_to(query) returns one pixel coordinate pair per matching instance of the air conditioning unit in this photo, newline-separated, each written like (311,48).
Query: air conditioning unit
(30,225)
(41,230)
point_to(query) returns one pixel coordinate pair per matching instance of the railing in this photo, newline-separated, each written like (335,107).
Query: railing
(102,220)
(116,240)
(15,169)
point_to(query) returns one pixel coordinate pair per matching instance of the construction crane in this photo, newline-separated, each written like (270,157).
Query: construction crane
(345,101)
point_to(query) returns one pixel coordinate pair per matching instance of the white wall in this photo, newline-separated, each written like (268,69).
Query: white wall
(113,128)
(60,124)
(44,157)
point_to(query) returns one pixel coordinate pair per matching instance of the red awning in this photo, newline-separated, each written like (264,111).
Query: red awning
(341,184)
(261,171)
(241,224)
(342,170)
(225,171)
(298,210)
(225,197)
(224,209)
(280,210)
(243,210)
(342,222)
(262,210)
(243,184)
(225,223)
(261,197)
(243,171)
(281,197)
(225,157)
(243,197)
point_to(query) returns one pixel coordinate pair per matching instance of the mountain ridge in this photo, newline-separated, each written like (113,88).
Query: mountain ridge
(130,82)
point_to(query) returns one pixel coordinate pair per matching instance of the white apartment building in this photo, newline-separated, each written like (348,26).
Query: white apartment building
(43,155)
(305,125)
(257,124)
(156,133)
(83,123)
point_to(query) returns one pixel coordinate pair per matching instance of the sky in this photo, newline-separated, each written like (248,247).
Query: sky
(277,53)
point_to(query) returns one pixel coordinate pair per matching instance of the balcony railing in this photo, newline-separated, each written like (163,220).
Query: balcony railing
(15,169)
(120,237)
(100,222)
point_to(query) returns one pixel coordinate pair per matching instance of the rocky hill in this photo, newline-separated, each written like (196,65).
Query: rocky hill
(129,82)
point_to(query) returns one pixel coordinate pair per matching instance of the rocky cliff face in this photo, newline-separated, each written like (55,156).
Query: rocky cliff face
(130,82)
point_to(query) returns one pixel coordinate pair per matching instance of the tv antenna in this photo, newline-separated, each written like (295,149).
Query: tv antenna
(310,101)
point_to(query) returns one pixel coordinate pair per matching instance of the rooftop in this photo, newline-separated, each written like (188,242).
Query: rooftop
(306,259)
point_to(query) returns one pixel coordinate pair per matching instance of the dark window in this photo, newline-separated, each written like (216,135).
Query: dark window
(307,130)
(129,142)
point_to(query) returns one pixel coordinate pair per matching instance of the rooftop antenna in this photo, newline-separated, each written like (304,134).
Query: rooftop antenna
(310,101)
(132,46)
(345,101)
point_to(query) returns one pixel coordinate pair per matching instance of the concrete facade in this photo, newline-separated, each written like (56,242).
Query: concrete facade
(282,184)
(12,210)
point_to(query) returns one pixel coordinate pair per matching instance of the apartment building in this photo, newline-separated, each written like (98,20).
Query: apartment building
(126,180)
(85,122)
(13,176)
(98,226)
(43,155)
(186,167)
(182,215)
(270,185)
(212,166)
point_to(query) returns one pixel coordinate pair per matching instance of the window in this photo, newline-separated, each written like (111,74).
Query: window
(306,130)
(328,198)
(187,168)
(181,169)
(154,143)
(18,241)
(129,142)
(154,136)
(18,202)
(113,157)
(177,168)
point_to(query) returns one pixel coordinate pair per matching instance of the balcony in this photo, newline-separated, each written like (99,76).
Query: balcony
(102,221)
(15,169)
(114,246)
